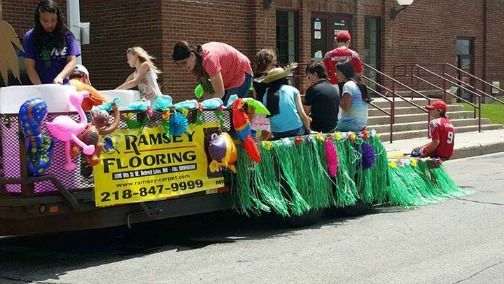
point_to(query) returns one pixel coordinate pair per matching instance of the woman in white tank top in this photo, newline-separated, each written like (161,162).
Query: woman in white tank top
(145,75)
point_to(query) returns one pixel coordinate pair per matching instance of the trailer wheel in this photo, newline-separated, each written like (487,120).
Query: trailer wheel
(305,220)
(358,209)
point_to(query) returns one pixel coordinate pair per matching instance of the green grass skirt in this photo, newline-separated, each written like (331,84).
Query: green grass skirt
(293,177)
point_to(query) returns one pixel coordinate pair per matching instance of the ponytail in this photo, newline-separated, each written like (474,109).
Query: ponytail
(347,69)
(364,91)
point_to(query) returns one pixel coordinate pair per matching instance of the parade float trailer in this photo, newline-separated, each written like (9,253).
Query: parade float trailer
(186,159)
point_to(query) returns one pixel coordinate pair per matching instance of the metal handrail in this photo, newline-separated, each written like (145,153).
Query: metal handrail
(453,95)
(449,81)
(444,73)
(391,113)
(480,80)
(395,94)
(441,89)
(478,90)
(444,80)
(461,83)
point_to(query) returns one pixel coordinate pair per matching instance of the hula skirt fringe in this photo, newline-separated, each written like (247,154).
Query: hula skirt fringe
(293,176)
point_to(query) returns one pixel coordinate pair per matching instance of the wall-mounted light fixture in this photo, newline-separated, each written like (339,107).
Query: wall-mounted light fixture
(404,4)
(267,3)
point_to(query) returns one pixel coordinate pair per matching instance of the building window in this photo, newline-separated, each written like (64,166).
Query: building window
(465,61)
(464,46)
(372,47)
(324,28)
(287,40)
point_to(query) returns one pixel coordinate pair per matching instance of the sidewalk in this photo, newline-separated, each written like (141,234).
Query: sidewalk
(467,144)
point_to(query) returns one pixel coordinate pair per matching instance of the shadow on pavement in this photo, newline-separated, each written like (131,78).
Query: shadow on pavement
(45,257)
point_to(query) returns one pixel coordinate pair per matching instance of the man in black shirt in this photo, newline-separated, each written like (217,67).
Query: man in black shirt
(321,100)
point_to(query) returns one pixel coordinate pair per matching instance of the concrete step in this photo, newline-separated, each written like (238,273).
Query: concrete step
(405,118)
(385,136)
(383,103)
(422,125)
(408,110)
(400,103)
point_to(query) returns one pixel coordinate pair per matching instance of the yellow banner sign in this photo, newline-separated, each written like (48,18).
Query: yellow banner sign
(152,166)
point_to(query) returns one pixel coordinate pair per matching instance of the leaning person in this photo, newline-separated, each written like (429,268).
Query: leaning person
(441,133)
(287,116)
(80,79)
(145,75)
(50,50)
(321,100)
(221,69)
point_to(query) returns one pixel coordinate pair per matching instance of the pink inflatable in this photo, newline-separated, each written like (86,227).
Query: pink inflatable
(65,129)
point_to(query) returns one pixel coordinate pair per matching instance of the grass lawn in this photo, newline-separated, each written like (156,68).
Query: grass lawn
(493,111)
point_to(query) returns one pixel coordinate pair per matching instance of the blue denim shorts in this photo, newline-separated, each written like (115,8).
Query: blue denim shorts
(291,133)
(240,91)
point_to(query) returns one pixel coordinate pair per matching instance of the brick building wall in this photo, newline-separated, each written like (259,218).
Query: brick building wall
(424,33)
(494,70)
(116,26)
(427,32)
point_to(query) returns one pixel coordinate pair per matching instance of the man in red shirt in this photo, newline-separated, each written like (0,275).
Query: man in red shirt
(441,132)
(342,53)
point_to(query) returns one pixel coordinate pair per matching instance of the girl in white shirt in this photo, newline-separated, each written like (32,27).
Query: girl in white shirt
(145,75)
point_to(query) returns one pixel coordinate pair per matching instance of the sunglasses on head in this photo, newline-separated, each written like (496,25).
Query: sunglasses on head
(78,75)
(181,63)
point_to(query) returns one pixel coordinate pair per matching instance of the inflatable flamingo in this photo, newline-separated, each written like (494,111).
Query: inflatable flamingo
(65,129)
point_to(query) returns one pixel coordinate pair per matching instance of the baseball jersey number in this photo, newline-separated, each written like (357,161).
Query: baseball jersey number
(449,139)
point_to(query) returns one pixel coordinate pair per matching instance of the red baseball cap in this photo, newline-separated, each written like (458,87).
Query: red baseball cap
(343,35)
(439,105)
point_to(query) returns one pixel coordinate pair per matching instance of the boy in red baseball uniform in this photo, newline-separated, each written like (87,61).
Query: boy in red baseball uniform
(342,53)
(441,132)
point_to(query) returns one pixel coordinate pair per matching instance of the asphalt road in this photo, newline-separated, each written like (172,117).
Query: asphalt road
(457,241)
